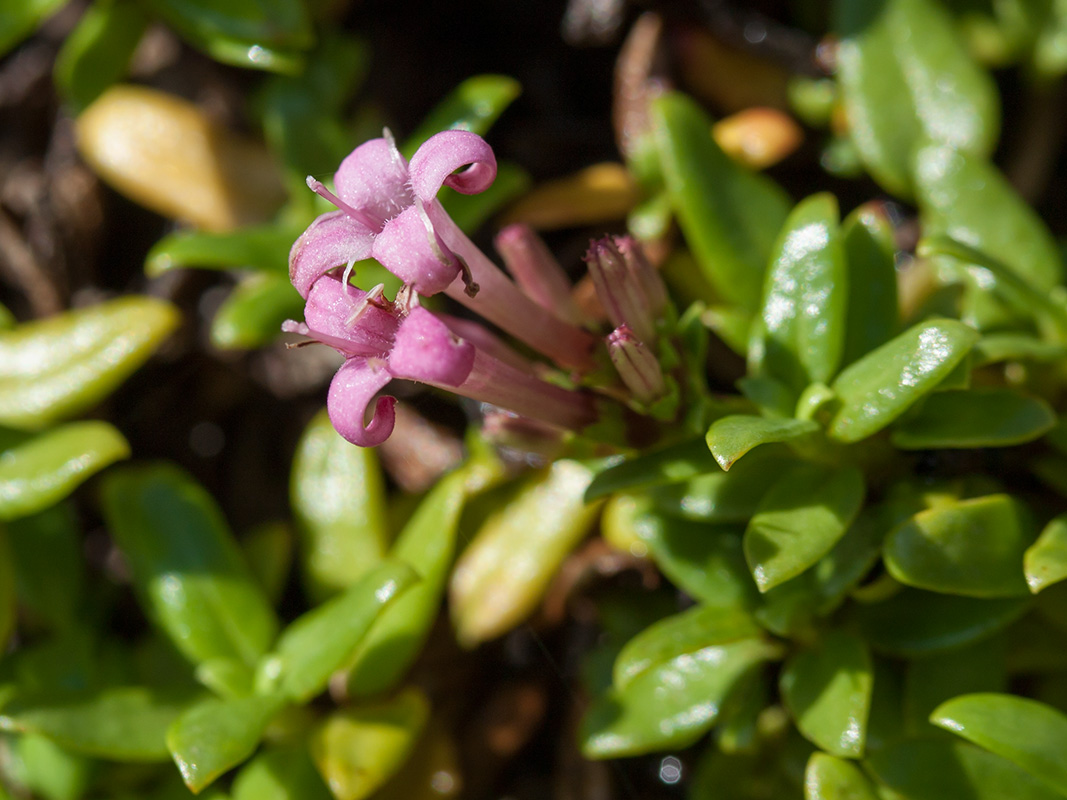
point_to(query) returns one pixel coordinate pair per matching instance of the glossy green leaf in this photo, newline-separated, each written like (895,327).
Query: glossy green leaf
(22,18)
(263,248)
(915,623)
(966,197)
(45,469)
(705,561)
(906,79)
(254,312)
(1030,734)
(338,498)
(971,547)
(1045,561)
(281,774)
(427,544)
(731,437)
(503,574)
(873,315)
(58,367)
(98,52)
(799,335)
(262,27)
(321,641)
(46,553)
(935,769)
(883,384)
(974,418)
(931,680)
(214,735)
(123,724)
(474,105)
(771,397)
(730,216)
(830,778)
(226,677)
(827,689)
(724,496)
(671,464)
(688,632)
(671,704)
(186,565)
(358,749)
(799,520)
(37,764)
(997,347)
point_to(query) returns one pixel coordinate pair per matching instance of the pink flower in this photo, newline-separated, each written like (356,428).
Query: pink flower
(388,210)
(382,340)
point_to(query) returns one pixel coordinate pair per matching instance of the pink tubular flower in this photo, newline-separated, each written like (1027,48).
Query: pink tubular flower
(388,210)
(382,340)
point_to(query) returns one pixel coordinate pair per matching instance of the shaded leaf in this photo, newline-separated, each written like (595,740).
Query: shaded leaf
(974,418)
(731,437)
(474,105)
(830,778)
(671,464)
(282,774)
(1045,561)
(873,316)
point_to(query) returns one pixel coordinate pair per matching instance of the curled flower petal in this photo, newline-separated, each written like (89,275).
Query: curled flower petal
(332,240)
(426,350)
(352,389)
(442,154)
(338,315)
(374,179)
(410,248)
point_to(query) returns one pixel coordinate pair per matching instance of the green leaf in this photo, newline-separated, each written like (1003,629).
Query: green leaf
(98,52)
(321,641)
(705,561)
(800,333)
(215,735)
(264,248)
(39,765)
(730,216)
(254,312)
(830,778)
(1030,734)
(46,554)
(906,79)
(338,498)
(671,464)
(799,520)
(935,769)
(883,384)
(186,565)
(268,549)
(966,197)
(7,593)
(731,437)
(873,315)
(46,468)
(58,367)
(358,749)
(970,547)
(915,623)
(670,705)
(22,18)
(974,418)
(998,347)
(1045,561)
(282,774)
(931,680)
(504,572)
(474,105)
(690,631)
(724,496)
(428,544)
(263,28)
(827,689)
(122,724)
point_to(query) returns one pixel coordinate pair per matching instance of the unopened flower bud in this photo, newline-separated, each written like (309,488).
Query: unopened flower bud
(636,364)
(537,271)
(628,286)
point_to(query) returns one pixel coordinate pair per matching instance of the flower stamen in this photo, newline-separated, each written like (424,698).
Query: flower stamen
(372,223)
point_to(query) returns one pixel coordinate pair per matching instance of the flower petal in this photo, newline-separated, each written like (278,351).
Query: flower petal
(351,391)
(442,154)
(332,240)
(427,351)
(406,247)
(374,179)
(329,313)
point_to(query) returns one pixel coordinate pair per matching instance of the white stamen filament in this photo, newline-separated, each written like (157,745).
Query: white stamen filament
(361,305)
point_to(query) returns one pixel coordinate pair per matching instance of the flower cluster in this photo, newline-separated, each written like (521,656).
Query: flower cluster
(387,209)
